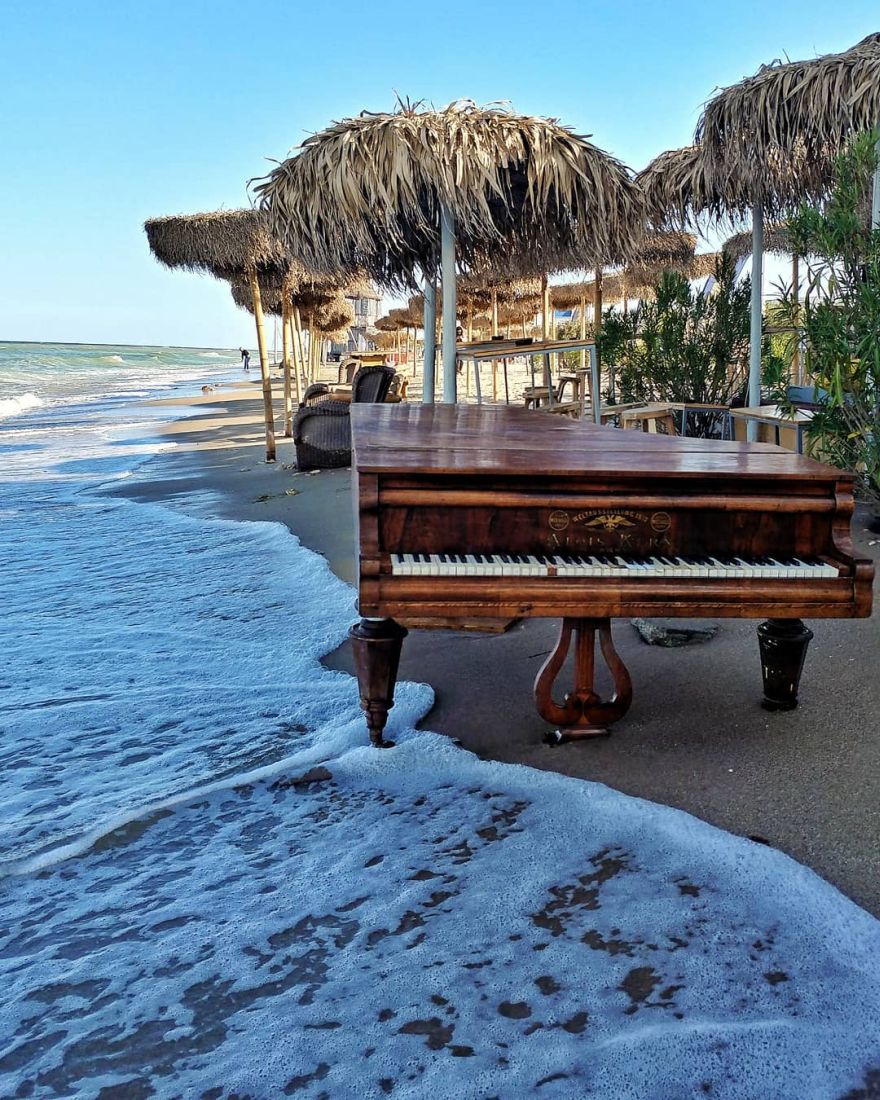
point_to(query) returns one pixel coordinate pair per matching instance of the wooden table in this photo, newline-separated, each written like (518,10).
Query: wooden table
(493,350)
(774,421)
(644,411)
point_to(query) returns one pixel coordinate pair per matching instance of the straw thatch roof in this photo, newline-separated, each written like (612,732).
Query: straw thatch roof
(222,242)
(270,294)
(570,295)
(776,239)
(367,192)
(335,318)
(643,283)
(666,248)
(794,116)
(704,265)
(383,340)
(681,184)
(387,324)
(612,289)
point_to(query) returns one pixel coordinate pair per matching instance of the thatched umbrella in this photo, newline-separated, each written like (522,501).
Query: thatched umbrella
(777,133)
(277,297)
(419,190)
(681,185)
(795,116)
(776,239)
(225,243)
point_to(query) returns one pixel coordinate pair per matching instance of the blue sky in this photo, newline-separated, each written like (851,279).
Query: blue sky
(110,114)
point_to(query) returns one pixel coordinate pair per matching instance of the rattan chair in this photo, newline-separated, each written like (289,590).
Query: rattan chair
(322,431)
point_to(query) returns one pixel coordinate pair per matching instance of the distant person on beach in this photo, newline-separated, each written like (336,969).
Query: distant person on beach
(245,358)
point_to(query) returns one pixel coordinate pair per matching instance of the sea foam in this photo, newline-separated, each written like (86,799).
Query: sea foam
(204,919)
(12,406)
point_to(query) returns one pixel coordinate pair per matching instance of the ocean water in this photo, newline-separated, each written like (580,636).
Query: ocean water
(210,887)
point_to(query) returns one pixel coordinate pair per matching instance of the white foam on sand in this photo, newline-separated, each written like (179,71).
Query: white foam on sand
(178,917)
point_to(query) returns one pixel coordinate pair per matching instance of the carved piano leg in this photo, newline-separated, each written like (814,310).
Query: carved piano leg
(783,644)
(583,713)
(376,646)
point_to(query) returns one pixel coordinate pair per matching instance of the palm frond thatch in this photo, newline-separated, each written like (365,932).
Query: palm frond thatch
(666,248)
(335,318)
(367,193)
(776,239)
(793,116)
(270,293)
(681,184)
(570,295)
(221,242)
(705,264)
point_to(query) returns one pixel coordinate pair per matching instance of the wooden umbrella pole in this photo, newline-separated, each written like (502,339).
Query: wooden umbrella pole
(428,369)
(264,367)
(301,367)
(313,350)
(296,358)
(285,363)
(545,334)
(494,333)
(583,331)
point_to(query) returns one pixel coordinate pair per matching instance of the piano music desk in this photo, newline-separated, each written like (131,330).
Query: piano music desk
(470,512)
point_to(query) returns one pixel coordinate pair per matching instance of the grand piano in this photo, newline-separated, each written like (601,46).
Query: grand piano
(471,513)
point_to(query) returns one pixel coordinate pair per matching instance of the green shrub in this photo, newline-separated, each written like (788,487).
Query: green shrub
(685,345)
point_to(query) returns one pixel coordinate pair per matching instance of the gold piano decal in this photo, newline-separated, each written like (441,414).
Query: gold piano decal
(600,530)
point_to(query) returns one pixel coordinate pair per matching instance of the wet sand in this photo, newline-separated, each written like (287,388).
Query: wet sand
(807,782)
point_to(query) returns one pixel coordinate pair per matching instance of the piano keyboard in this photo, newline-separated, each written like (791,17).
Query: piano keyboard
(608,565)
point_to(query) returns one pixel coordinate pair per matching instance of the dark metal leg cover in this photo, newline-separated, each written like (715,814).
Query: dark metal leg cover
(376,646)
(783,644)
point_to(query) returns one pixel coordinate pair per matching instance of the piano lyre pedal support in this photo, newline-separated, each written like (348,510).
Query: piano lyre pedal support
(583,713)
(376,646)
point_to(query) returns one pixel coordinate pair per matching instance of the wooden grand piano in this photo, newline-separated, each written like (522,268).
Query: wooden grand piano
(475,512)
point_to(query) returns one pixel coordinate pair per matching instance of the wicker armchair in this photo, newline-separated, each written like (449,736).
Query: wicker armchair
(322,431)
(371,383)
(317,391)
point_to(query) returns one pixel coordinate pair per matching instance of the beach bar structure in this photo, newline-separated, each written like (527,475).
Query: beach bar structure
(416,194)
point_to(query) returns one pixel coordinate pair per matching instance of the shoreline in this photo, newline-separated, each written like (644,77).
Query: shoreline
(808,782)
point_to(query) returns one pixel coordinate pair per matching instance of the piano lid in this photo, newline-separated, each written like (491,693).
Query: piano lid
(481,439)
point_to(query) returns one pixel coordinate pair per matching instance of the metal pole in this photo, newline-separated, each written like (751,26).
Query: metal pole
(430,292)
(754,398)
(875,198)
(594,385)
(450,312)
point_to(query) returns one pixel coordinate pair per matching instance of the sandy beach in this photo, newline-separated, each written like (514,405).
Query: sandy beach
(806,782)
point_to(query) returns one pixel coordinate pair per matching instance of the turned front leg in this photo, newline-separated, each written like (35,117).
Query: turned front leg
(783,645)
(376,646)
